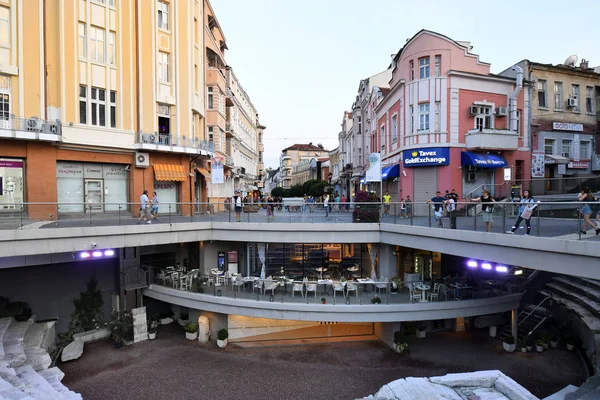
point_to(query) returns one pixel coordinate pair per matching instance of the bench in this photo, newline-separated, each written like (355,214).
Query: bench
(293,203)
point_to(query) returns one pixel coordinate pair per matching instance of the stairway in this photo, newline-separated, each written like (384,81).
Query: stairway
(529,320)
(581,295)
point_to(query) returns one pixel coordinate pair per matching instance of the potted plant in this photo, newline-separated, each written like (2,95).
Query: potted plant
(191,331)
(118,326)
(546,344)
(152,329)
(570,342)
(364,212)
(522,346)
(539,345)
(222,336)
(376,300)
(396,284)
(529,343)
(553,342)
(400,343)
(166,318)
(509,344)
(183,319)
(421,333)
(323,300)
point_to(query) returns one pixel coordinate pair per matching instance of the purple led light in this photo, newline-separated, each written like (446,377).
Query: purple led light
(85,254)
(486,266)
(97,254)
(472,264)
(109,253)
(501,268)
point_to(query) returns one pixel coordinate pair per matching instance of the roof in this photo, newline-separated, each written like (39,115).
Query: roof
(384,91)
(305,147)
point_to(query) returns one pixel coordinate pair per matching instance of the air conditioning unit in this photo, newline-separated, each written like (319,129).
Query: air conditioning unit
(142,160)
(33,125)
(471,168)
(471,177)
(502,111)
(51,129)
(572,102)
(473,110)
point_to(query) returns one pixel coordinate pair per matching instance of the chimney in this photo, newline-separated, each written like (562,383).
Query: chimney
(584,64)
(310,143)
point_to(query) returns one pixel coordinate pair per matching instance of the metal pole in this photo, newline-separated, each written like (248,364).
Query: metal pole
(578,223)
(90,211)
(21,214)
(57,218)
(429,214)
(119,214)
(169,213)
(503,219)
(538,220)
(395,220)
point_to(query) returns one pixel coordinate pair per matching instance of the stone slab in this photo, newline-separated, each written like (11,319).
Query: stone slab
(140,324)
(482,379)
(92,336)
(512,389)
(72,351)
(138,311)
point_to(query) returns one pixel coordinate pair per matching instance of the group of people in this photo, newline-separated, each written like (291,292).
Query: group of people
(148,209)
(405,206)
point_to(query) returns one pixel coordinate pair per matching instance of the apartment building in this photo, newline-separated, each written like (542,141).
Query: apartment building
(345,147)
(101,100)
(295,162)
(564,106)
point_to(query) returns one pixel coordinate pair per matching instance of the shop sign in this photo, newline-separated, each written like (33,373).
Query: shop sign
(578,165)
(426,157)
(11,164)
(562,169)
(164,185)
(92,171)
(69,170)
(114,172)
(563,126)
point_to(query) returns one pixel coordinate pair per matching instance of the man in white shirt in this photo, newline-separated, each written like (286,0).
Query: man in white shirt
(451,211)
(326,204)
(145,208)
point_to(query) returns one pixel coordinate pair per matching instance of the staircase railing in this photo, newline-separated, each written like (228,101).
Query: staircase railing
(531,312)
(134,277)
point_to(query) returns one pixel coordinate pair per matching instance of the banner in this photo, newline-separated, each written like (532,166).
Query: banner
(374,171)
(216,170)
(537,164)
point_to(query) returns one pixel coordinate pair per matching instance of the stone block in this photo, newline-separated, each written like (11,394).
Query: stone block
(73,351)
(92,336)
(140,337)
(138,311)
(512,389)
(482,379)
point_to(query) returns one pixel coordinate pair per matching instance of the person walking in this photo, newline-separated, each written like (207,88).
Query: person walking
(154,211)
(326,204)
(386,204)
(451,211)
(408,203)
(237,201)
(402,208)
(438,208)
(144,208)
(487,207)
(587,197)
(527,204)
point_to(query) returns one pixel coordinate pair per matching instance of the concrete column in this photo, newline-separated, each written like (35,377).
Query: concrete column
(387,261)
(514,323)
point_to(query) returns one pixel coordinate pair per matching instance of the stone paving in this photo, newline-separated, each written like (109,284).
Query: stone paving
(172,367)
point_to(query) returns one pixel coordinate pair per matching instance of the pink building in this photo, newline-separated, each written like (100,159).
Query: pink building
(448,123)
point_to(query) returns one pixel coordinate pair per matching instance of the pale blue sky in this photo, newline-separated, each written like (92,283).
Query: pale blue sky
(301,61)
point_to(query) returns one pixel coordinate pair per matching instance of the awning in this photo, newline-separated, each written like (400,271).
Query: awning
(482,160)
(204,172)
(554,159)
(392,171)
(169,172)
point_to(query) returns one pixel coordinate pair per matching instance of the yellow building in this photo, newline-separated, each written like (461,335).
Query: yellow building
(102,99)
(292,156)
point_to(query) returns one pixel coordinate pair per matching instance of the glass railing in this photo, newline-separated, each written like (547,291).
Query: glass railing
(31,125)
(573,220)
(317,290)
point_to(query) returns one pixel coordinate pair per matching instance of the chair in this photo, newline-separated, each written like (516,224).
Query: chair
(270,285)
(161,277)
(382,284)
(176,280)
(448,292)
(352,287)
(338,287)
(435,293)
(299,287)
(237,282)
(311,287)
(413,294)
(186,282)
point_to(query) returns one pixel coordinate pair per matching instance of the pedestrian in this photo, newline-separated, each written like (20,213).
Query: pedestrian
(270,208)
(451,211)
(487,207)
(338,200)
(408,202)
(402,208)
(155,202)
(237,201)
(344,201)
(386,201)
(527,204)
(438,208)
(587,197)
(326,204)
(144,208)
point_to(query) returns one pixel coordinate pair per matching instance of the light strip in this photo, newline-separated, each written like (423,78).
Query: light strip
(486,266)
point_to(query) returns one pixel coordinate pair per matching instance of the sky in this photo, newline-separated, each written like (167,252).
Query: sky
(301,61)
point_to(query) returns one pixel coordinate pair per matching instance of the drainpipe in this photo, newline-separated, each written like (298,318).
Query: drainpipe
(513,98)
(44,65)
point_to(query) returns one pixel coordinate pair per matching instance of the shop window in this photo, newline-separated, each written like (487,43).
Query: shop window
(83,104)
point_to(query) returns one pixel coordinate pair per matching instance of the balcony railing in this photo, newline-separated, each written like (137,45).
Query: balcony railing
(159,139)
(229,161)
(30,128)
(492,139)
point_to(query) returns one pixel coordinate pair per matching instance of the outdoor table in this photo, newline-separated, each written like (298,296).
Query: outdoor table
(365,282)
(320,270)
(423,288)
(459,287)
(325,282)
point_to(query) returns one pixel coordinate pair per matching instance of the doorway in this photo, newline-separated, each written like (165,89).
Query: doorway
(94,195)
(5,111)
(424,266)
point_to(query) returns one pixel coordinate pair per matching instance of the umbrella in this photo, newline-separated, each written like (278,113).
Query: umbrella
(373,256)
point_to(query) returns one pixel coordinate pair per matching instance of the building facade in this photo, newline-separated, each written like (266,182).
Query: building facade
(345,156)
(100,106)
(564,105)
(295,162)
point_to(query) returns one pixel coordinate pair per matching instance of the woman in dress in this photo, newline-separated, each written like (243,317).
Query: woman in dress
(487,207)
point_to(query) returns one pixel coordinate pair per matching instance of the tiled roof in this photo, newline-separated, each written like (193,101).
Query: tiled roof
(305,147)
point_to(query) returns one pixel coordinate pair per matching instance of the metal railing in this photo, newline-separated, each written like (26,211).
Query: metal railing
(549,219)
(170,140)
(33,125)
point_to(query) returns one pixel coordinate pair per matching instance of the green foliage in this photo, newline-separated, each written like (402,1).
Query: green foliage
(152,326)
(399,337)
(277,192)
(121,322)
(89,310)
(192,327)
(366,212)
(376,300)
(297,191)
(222,334)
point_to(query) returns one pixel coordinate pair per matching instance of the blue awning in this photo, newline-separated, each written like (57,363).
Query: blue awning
(392,171)
(482,160)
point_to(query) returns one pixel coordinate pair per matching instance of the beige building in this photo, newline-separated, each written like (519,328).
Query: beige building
(292,156)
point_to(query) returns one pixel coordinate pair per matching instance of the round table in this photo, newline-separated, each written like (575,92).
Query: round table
(321,270)
(423,289)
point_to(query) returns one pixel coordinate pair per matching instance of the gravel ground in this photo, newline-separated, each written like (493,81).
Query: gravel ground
(172,367)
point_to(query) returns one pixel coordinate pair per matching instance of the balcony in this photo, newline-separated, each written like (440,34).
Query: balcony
(173,143)
(492,139)
(286,157)
(229,161)
(30,129)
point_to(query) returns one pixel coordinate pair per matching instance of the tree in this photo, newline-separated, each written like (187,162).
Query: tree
(366,212)
(308,185)
(89,309)
(297,191)
(318,189)
(278,192)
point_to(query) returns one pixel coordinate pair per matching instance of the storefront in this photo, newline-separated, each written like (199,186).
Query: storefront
(100,187)
(11,184)
(389,178)
(167,179)
(479,171)
(424,164)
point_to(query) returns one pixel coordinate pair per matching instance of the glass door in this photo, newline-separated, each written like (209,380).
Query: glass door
(94,195)
(4,111)
(424,266)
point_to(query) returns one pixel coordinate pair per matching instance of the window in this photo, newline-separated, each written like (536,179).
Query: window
(111,3)
(113,109)
(382,134)
(359,124)
(83,104)
(210,134)
(163,66)
(566,148)
(111,48)
(395,128)
(584,152)
(211,100)
(412,120)
(549,146)
(483,119)
(589,95)
(424,68)
(438,66)
(438,108)
(412,70)
(96,44)
(98,105)
(4,27)
(542,87)
(163,15)
(82,41)
(575,95)
(558,96)
(424,117)
(519,122)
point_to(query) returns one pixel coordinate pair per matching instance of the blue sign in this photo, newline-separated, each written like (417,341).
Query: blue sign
(427,157)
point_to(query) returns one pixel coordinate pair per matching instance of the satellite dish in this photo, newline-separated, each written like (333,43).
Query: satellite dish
(571,61)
